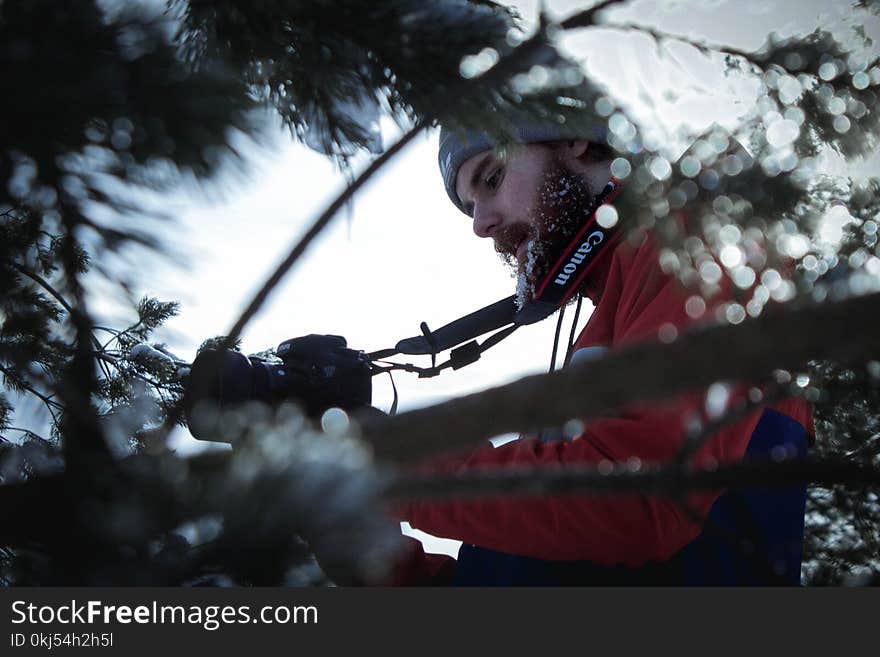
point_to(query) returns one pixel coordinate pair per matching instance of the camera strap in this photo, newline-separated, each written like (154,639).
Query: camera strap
(565,277)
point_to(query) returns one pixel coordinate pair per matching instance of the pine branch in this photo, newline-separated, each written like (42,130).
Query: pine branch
(264,506)
(648,479)
(317,226)
(28,434)
(769,54)
(115,333)
(100,354)
(704,47)
(44,284)
(142,377)
(639,373)
(39,280)
(587,18)
(51,404)
(30,512)
(83,435)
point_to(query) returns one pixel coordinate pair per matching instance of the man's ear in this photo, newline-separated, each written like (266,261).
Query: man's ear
(577,148)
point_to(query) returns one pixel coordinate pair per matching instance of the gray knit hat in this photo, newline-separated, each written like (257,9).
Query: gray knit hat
(456,148)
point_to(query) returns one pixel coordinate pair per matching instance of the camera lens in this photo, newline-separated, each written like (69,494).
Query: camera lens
(220,378)
(317,372)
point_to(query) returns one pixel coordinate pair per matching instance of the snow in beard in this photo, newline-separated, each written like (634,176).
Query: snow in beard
(563,199)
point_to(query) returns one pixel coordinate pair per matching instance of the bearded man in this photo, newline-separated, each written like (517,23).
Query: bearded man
(537,201)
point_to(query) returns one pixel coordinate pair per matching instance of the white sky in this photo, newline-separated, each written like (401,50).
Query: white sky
(404,254)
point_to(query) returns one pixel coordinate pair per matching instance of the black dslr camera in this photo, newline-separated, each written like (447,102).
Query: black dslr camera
(317,371)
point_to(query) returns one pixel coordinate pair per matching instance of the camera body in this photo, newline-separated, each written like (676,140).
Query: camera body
(316,371)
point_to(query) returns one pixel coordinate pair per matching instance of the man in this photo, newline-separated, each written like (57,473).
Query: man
(531,201)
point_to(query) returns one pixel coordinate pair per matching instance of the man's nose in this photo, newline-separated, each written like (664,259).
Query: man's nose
(486,220)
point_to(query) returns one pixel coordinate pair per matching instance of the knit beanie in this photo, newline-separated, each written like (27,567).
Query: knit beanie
(456,148)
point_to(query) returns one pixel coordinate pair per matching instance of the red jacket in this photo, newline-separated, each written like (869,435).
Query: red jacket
(636,300)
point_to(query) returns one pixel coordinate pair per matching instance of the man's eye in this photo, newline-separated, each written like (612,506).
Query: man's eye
(494,178)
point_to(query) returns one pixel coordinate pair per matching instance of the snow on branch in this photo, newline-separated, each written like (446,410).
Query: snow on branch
(628,478)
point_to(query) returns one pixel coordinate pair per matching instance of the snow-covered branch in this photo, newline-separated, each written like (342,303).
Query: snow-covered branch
(625,478)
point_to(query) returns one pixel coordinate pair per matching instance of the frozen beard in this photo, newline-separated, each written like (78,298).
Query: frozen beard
(531,249)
